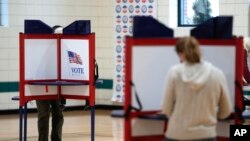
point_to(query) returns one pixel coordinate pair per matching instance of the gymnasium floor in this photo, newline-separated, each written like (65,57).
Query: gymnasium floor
(76,126)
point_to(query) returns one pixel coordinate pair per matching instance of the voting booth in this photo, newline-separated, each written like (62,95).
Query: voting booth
(147,63)
(55,66)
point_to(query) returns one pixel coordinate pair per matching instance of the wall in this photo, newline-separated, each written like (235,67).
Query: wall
(239,9)
(100,12)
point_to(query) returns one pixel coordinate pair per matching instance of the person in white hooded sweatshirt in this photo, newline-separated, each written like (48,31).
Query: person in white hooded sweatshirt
(196,96)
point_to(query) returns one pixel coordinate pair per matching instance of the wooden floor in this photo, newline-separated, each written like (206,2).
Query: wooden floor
(76,127)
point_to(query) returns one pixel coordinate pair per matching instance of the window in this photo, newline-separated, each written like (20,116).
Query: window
(194,12)
(4,21)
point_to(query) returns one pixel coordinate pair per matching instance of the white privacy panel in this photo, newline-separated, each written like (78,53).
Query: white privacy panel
(40,59)
(150,65)
(223,57)
(75,59)
(36,90)
(149,68)
(146,127)
(82,90)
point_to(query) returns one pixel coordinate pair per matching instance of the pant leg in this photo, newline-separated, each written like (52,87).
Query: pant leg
(43,111)
(57,121)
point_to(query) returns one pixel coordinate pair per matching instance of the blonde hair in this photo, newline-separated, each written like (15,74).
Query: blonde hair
(189,46)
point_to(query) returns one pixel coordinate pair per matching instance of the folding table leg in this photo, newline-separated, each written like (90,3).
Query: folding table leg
(92,110)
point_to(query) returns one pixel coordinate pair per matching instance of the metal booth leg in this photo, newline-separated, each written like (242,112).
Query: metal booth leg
(92,110)
(25,122)
(20,123)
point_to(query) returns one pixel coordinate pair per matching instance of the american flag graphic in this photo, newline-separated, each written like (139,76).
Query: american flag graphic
(74,58)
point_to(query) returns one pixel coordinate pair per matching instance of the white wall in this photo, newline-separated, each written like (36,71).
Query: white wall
(239,9)
(101,13)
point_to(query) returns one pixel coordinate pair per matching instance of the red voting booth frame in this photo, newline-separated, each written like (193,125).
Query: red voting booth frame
(129,114)
(23,99)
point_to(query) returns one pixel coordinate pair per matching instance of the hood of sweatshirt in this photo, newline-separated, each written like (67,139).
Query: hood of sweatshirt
(195,74)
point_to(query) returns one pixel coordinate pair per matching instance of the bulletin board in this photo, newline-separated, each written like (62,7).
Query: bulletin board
(54,66)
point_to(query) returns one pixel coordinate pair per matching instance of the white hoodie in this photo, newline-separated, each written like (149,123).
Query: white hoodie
(196,96)
(196,74)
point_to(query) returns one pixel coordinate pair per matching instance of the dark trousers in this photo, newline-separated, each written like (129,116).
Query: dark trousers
(44,107)
(210,139)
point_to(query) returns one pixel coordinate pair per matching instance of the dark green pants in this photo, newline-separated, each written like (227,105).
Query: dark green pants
(44,107)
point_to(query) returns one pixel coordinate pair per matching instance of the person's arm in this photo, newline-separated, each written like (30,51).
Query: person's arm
(169,98)
(225,106)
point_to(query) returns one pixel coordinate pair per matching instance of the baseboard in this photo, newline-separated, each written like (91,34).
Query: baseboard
(70,108)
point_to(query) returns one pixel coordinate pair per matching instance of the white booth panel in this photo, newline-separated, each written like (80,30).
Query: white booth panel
(75,90)
(75,59)
(150,65)
(35,90)
(40,59)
